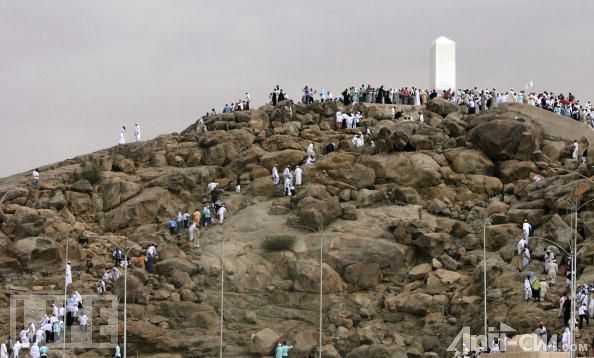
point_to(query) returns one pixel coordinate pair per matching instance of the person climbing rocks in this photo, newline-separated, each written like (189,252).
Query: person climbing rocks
(526,230)
(574,149)
(172,225)
(221,213)
(358,140)
(275,177)
(527,289)
(298,176)
(520,252)
(552,272)
(206,215)
(35,178)
(118,256)
(180,220)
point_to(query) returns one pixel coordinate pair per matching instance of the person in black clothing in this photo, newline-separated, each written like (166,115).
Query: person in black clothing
(567,311)
(330,148)
(433,94)
(281,96)
(214,196)
(345,97)
(380,95)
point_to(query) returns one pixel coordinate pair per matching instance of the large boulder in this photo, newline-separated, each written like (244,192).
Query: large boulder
(316,207)
(468,161)
(283,158)
(407,169)
(138,210)
(38,253)
(264,342)
(357,175)
(441,106)
(504,139)
(363,275)
(306,274)
(512,170)
(115,191)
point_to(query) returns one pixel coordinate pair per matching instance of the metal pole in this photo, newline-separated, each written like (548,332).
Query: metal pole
(485,283)
(321,287)
(65,293)
(126,307)
(222,295)
(126,298)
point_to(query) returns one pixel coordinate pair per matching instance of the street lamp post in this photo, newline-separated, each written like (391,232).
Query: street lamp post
(126,298)
(486,328)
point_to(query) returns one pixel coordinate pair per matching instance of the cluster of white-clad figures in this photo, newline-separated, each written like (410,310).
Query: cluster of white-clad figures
(51,325)
(122,138)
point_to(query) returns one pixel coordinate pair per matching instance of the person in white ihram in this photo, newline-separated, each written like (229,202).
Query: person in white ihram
(552,272)
(191,231)
(35,179)
(16,348)
(358,140)
(548,258)
(137,132)
(221,213)
(421,119)
(527,289)
(83,320)
(575,148)
(298,176)
(275,177)
(338,120)
(310,150)
(122,139)
(68,274)
(212,186)
(526,228)
(286,173)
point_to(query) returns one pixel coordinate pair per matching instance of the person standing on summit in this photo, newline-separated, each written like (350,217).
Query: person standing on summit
(137,132)
(122,139)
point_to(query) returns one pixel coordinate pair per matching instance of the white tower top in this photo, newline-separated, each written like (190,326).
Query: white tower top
(443,64)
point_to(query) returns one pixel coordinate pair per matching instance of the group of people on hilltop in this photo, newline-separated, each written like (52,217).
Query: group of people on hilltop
(122,137)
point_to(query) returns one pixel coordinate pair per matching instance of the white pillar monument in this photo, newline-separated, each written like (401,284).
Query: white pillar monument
(443,64)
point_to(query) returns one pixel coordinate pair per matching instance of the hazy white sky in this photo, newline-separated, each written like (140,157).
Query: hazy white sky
(72,72)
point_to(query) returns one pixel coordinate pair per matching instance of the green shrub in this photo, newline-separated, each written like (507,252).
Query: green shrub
(278,243)
(90,171)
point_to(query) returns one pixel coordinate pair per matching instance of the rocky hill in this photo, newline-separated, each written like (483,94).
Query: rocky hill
(400,224)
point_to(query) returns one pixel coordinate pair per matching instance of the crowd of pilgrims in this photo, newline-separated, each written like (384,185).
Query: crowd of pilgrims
(475,99)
